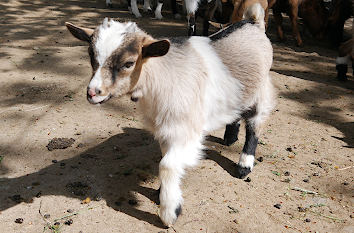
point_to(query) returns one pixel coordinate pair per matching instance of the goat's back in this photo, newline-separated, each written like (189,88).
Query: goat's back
(248,54)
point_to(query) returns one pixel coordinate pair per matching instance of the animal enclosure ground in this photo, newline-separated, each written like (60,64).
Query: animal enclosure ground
(106,181)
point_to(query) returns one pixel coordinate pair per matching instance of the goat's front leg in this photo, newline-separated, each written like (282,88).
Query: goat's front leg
(171,170)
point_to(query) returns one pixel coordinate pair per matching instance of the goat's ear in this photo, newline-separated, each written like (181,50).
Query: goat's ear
(80,33)
(156,49)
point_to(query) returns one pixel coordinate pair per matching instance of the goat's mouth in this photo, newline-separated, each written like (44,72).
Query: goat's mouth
(98,99)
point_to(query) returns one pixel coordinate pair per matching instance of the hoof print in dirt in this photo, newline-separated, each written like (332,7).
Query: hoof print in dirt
(60,143)
(241,172)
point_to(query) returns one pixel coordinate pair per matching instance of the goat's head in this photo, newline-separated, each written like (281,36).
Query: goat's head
(117,52)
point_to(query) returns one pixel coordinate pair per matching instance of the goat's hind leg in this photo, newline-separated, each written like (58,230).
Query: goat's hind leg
(231,133)
(171,170)
(254,121)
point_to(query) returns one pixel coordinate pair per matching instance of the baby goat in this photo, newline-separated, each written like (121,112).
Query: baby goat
(185,89)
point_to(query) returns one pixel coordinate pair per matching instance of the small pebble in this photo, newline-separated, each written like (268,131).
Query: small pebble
(307,220)
(69,222)
(132,202)
(56,223)
(46,216)
(301,209)
(248,179)
(19,220)
(39,194)
(69,210)
(306,180)
(278,206)
(345,183)
(286,173)
(260,159)
(316,174)
(287,180)
(62,164)
(289,149)
(54,161)
(235,221)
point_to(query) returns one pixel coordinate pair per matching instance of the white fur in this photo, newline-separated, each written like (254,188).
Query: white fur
(246,161)
(191,6)
(111,34)
(220,81)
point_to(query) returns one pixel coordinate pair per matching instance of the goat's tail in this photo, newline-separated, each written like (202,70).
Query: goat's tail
(255,12)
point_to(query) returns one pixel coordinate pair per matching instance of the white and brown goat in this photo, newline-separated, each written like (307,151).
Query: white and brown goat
(185,90)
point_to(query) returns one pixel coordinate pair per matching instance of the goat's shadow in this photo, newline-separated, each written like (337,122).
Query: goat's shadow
(113,170)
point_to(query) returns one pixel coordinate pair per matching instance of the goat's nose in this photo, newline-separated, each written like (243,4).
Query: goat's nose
(93,91)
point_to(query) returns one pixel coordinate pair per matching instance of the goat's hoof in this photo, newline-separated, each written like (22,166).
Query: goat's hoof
(169,216)
(109,5)
(242,172)
(138,15)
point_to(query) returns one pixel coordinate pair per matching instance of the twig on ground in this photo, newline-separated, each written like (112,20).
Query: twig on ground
(345,168)
(304,190)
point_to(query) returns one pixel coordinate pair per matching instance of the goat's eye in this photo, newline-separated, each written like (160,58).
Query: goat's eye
(128,64)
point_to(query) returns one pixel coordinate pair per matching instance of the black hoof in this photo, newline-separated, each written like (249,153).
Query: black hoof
(231,132)
(242,172)
(110,5)
(178,210)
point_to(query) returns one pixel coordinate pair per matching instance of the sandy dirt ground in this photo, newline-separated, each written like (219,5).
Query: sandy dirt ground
(307,142)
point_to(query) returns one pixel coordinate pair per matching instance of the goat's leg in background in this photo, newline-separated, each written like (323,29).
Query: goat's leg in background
(135,10)
(231,133)
(109,3)
(147,6)
(171,170)
(174,9)
(191,7)
(278,18)
(208,15)
(293,13)
(158,9)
